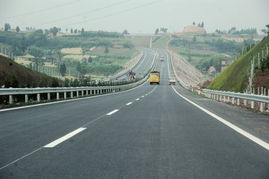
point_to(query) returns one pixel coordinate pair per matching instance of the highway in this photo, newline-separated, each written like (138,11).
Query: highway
(147,132)
(144,65)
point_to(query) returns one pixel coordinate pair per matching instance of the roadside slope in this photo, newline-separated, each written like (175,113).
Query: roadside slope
(235,77)
(18,76)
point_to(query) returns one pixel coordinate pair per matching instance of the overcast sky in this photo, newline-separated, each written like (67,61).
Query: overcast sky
(137,16)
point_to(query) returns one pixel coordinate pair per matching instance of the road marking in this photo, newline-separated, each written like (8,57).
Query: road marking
(128,103)
(142,96)
(112,112)
(137,99)
(232,126)
(26,155)
(64,138)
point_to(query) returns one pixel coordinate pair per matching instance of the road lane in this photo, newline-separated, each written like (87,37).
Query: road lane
(159,136)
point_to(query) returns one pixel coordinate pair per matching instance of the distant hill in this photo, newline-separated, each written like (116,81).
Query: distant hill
(235,76)
(195,30)
(15,75)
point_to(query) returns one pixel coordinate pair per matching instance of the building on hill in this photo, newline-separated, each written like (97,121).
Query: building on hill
(194,30)
(224,64)
(211,70)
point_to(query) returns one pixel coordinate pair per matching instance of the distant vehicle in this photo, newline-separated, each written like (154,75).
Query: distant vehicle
(154,77)
(172,82)
(161,58)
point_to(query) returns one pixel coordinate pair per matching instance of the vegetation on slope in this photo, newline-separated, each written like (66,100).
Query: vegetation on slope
(235,77)
(204,51)
(17,76)
(160,41)
(111,51)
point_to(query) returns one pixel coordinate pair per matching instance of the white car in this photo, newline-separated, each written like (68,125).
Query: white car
(172,82)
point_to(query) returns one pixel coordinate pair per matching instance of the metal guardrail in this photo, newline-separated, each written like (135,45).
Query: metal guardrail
(83,91)
(234,98)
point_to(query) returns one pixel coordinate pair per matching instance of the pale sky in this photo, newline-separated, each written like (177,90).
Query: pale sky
(137,16)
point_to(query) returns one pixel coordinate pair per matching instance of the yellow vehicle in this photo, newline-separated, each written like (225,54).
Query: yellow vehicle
(154,77)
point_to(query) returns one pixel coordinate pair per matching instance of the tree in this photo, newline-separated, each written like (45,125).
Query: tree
(106,50)
(75,31)
(194,39)
(90,59)
(125,32)
(82,31)
(17,29)
(54,31)
(7,27)
(202,24)
(78,67)
(267,26)
(62,69)
(193,23)
(164,30)
(71,31)
(156,31)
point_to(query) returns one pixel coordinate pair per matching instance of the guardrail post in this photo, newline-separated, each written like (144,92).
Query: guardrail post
(245,102)
(228,99)
(82,93)
(71,94)
(238,101)
(64,95)
(26,98)
(48,96)
(232,100)
(77,93)
(38,97)
(10,99)
(262,106)
(87,92)
(252,104)
(57,96)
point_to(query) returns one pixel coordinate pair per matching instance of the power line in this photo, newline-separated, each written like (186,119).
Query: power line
(80,14)
(42,10)
(116,13)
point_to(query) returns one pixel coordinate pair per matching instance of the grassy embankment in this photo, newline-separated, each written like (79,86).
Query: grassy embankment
(235,77)
(16,75)
(203,51)
(160,41)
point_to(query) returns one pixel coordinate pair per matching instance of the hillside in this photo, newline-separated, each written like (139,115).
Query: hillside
(15,75)
(235,77)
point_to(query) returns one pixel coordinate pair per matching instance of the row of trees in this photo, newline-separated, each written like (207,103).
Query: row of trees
(200,24)
(249,31)
(161,29)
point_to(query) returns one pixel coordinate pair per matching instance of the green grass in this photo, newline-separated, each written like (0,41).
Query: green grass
(160,42)
(140,41)
(15,75)
(234,78)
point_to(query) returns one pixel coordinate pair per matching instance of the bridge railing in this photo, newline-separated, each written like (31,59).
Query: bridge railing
(248,100)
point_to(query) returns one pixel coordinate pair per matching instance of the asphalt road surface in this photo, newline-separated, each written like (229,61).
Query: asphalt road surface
(144,65)
(147,132)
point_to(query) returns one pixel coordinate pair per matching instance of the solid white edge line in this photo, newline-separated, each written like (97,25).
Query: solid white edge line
(127,104)
(137,99)
(22,157)
(232,126)
(112,112)
(64,138)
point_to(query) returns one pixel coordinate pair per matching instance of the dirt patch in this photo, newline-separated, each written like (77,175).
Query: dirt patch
(71,50)
(261,79)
